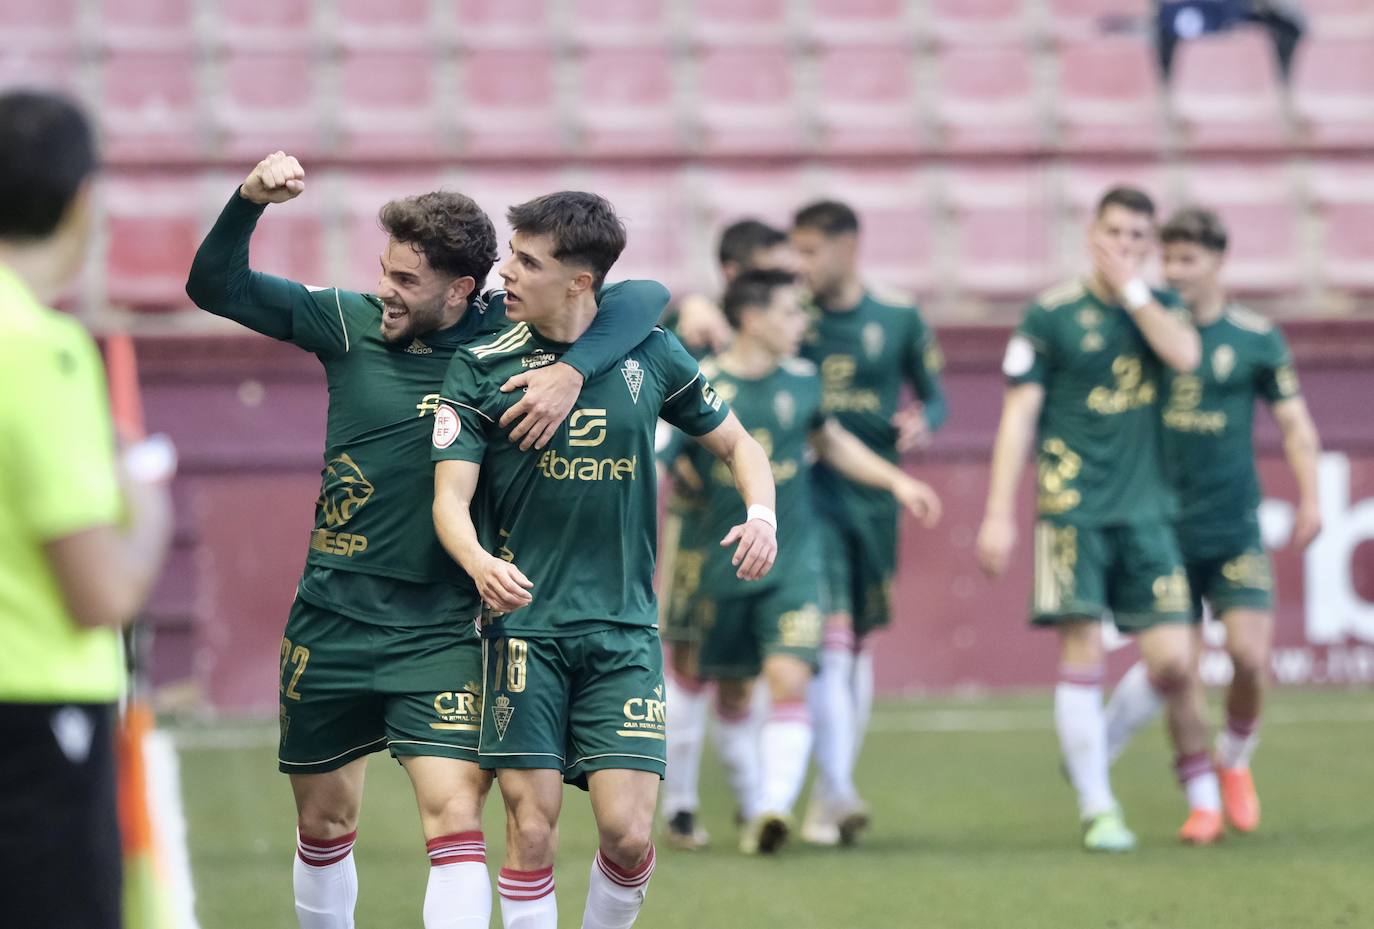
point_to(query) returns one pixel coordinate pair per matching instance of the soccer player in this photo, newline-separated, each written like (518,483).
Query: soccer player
(1208,418)
(867,347)
(1084,370)
(744,245)
(773,626)
(380,651)
(84,538)
(562,553)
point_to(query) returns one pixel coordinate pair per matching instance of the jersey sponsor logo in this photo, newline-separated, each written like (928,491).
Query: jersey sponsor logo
(801,628)
(429,403)
(459,710)
(634,378)
(872,338)
(447,426)
(645,717)
(557,468)
(538,359)
(1171,593)
(347,544)
(416,347)
(1182,413)
(345,490)
(1223,362)
(1057,468)
(1019,357)
(837,392)
(709,395)
(501,714)
(587,428)
(1131,391)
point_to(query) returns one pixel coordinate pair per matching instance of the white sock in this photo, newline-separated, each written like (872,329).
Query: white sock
(785,747)
(832,713)
(1083,737)
(1134,703)
(861,685)
(527,899)
(459,892)
(1199,781)
(737,745)
(326,882)
(1236,743)
(688,705)
(615,894)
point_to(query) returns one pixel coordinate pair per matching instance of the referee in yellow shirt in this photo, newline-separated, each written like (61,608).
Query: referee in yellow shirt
(82,538)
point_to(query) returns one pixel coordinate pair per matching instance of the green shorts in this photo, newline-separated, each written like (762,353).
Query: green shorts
(740,632)
(1241,577)
(349,688)
(859,561)
(578,703)
(1135,571)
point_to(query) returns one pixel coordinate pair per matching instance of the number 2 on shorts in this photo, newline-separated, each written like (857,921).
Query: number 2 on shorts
(517,653)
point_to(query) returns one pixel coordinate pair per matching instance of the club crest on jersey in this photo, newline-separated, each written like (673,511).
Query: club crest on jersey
(873,340)
(634,378)
(501,713)
(785,407)
(1223,362)
(1092,342)
(416,347)
(1089,317)
(538,359)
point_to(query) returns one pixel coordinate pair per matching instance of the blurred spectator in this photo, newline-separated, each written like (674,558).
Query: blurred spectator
(1180,20)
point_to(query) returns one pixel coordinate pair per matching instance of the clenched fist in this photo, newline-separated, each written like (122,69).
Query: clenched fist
(277,178)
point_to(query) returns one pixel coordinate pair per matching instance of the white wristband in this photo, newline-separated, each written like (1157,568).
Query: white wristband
(1136,295)
(759,511)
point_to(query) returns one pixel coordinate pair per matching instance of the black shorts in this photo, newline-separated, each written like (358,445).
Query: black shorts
(60,862)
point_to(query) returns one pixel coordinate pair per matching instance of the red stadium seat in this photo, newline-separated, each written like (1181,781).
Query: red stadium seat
(657,221)
(486,23)
(867,100)
(290,241)
(367,25)
(864,21)
(1002,227)
(598,23)
(255,25)
(267,100)
(985,99)
(150,107)
(1340,18)
(731,22)
(1263,213)
(147,24)
(152,229)
(897,223)
(770,194)
(1334,90)
(747,101)
(389,104)
(28,25)
(1088,19)
(973,21)
(508,104)
(1345,203)
(625,101)
(44,67)
(1226,90)
(1108,95)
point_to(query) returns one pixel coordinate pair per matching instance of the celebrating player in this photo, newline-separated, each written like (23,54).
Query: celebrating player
(773,626)
(562,553)
(1085,369)
(379,649)
(1208,419)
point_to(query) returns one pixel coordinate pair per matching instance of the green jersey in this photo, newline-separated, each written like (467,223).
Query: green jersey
(780,410)
(373,553)
(865,354)
(579,517)
(1209,420)
(1099,458)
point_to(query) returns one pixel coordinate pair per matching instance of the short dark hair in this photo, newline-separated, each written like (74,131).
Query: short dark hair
(583,226)
(453,233)
(1130,198)
(828,217)
(1197,225)
(741,240)
(47,150)
(753,289)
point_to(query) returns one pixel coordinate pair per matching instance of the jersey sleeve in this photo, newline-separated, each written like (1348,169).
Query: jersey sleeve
(1030,350)
(62,440)
(626,314)
(691,403)
(923,364)
(1278,380)
(462,422)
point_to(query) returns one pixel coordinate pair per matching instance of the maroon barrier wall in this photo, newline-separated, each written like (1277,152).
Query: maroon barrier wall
(248,417)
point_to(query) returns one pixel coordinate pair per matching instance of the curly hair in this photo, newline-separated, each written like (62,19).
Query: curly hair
(450,230)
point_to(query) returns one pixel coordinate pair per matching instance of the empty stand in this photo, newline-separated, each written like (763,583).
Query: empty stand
(390,104)
(861,21)
(146,24)
(657,222)
(729,22)
(1226,90)
(594,23)
(1334,90)
(150,105)
(408,24)
(898,224)
(254,25)
(1340,18)
(1109,95)
(746,99)
(485,23)
(1080,20)
(866,100)
(508,104)
(985,98)
(268,100)
(1344,196)
(625,101)
(30,26)
(959,22)
(1263,211)
(1002,226)
(152,231)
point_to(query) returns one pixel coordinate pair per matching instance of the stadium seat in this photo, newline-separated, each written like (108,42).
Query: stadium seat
(957,22)
(657,222)
(390,104)
(152,230)
(267,100)
(985,98)
(1081,20)
(866,100)
(625,101)
(732,22)
(720,196)
(1002,227)
(897,224)
(1262,210)
(861,21)
(747,101)
(291,242)
(31,26)
(1225,89)
(146,24)
(505,23)
(599,23)
(150,108)
(508,103)
(1339,18)
(1334,90)
(1344,197)
(1108,95)
(366,25)
(44,67)
(259,26)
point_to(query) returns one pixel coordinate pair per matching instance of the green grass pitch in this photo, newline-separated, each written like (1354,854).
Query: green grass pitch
(973,827)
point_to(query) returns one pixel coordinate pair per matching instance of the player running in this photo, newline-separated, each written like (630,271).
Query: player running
(773,626)
(380,649)
(1208,420)
(1085,369)
(562,552)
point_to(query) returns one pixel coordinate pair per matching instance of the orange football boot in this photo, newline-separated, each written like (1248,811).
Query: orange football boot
(1238,798)
(1202,828)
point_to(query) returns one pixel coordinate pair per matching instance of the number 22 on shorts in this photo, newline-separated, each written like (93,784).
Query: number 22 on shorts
(300,657)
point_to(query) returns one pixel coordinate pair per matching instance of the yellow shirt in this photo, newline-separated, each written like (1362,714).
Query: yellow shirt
(57,478)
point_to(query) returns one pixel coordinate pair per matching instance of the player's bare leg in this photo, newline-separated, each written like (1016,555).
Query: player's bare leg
(623,804)
(1169,652)
(689,703)
(533,801)
(834,798)
(324,875)
(784,748)
(450,794)
(1249,640)
(737,745)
